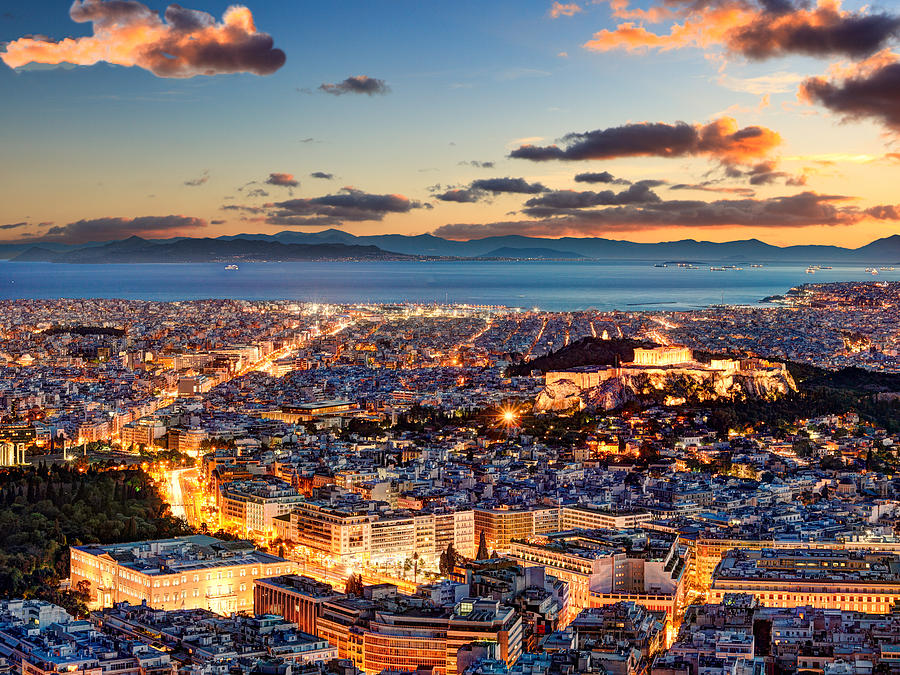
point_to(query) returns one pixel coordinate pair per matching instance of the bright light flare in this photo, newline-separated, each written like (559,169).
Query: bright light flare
(509,417)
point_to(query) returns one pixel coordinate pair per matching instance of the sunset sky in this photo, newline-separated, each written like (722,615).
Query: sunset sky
(704,119)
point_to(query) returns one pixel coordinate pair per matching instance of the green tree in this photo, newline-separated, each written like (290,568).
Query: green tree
(482,553)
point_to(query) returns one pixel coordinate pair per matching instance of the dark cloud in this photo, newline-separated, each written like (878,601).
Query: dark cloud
(756,29)
(102,229)
(482,188)
(242,208)
(461,195)
(186,43)
(217,222)
(349,204)
(13,226)
(200,180)
(720,139)
(805,209)
(765,173)
(359,84)
(257,192)
(824,31)
(872,94)
(322,174)
(282,180)
(550,203)
(600,177)
(479,165)
(510,185)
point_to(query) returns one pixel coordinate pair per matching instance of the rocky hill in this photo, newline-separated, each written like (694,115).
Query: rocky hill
(669,386)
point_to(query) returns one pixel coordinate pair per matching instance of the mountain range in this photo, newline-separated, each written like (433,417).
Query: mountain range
(339,245)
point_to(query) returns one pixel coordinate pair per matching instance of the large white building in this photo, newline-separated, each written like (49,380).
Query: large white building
(193,572)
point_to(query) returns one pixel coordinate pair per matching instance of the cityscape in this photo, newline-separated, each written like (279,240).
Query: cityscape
(493,337)
(399,488)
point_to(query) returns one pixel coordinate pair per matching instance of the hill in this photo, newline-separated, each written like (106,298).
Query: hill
(585,352)
(137,250)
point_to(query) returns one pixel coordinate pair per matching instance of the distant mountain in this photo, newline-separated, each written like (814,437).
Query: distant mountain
(529,253)
(748,250)
(337,244)
(137,250)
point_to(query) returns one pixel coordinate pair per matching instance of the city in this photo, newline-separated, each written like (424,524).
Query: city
(378,488)
(485,337)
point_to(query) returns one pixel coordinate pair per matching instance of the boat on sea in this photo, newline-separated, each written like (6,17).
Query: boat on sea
(755,265)
(871,270)
(716,269)
(231,267)
(811,270)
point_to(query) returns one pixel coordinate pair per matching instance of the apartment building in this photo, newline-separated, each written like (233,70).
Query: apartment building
(603,567)
(845,580)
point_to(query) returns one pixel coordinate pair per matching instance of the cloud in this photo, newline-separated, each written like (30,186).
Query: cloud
(721,139)
(600,177)
(479,189)
(710,186)
(868,92)
(13,226)
(349,204)
(102,229)
(776,83)
(559,9)
(460,195)
(511,185)
(550,203)
(806,209)
(242,208)
(358,84)
(200,180)
(282,180)
(217,222)
(756,29)
(479,165)
(186,43)
(322,174)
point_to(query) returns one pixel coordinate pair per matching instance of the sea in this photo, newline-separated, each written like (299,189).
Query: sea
(546,285)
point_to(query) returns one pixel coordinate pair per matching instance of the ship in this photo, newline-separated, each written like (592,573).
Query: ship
(231,267)
(810,270)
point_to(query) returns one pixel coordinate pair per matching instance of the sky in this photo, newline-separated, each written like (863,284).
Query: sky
(645,120)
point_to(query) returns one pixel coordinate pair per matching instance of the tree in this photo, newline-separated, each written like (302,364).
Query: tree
(448,560)
(482,553)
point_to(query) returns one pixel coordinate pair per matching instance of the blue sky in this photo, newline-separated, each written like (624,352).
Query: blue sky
(467,81)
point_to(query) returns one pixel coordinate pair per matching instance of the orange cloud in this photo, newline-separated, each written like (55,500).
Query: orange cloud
(750,28)
(184,44)
(564,9)
(721,139)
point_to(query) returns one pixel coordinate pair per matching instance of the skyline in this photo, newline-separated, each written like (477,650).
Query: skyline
(645,122)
